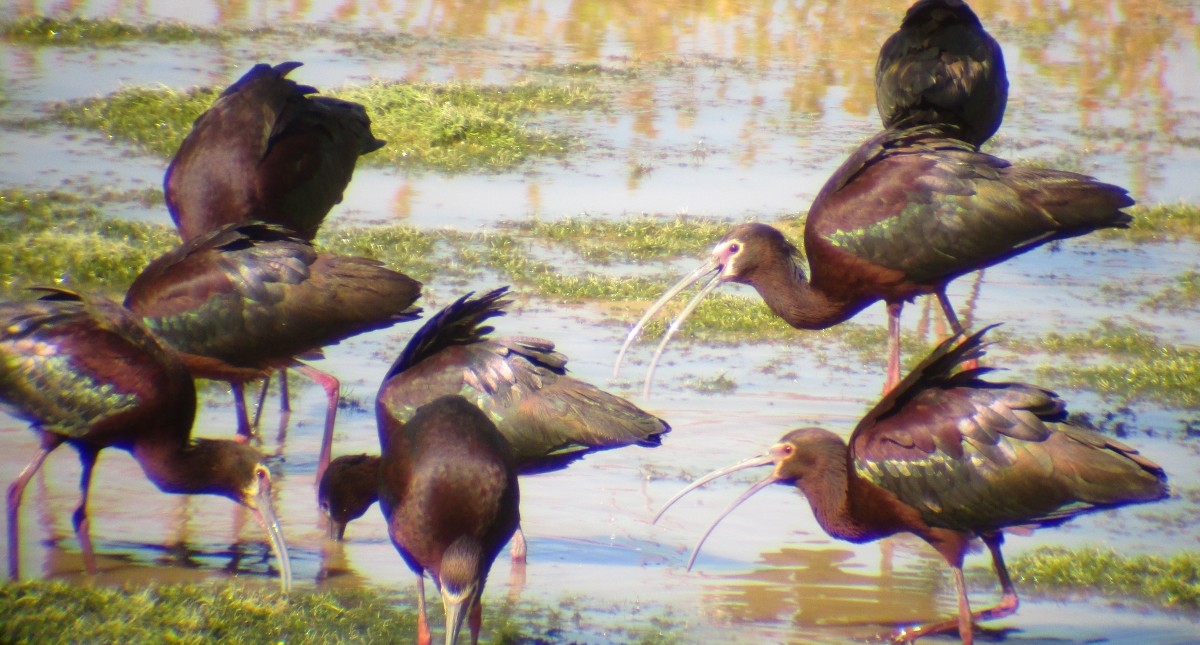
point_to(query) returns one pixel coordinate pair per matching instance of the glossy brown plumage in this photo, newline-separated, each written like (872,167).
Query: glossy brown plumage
(348,487)
(88,373)
(266,151)
(548,417)
(249,298)
(908,212)
(949,456)
(448,488)
(942,69)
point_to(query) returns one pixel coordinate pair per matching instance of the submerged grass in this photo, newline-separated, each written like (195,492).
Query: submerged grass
(638,238)
(1169,582)
(1160,223)
(75,30)
(57,612)
(67,241)
(1137,365)
(452,127)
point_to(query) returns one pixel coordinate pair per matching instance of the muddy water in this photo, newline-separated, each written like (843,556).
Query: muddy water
(739,110)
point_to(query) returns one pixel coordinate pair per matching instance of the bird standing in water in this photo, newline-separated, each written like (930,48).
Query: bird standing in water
(949,456)
(266,151)
(249,298)
(88,373)
(448,488)
(942,69)
(548,417)
(906,214)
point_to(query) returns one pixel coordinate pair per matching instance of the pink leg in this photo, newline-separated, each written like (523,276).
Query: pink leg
(16,491)
(948,310)
(965,622)
(519,548)
(423,635)
(80,519)
(332,386)
(893,371)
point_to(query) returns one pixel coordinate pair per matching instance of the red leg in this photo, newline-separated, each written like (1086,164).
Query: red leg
(1008,600)
(332,386)
(893,369)
(964,622)
(16,491)
(80,519)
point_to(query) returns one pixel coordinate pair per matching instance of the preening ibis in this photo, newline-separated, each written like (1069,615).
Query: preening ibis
(942,69)
(949,456)
(908,212)
(88,373)
(266,151)
(249,298)
(548,417)
(448,488)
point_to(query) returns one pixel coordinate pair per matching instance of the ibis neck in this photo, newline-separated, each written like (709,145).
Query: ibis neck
(187,468)
(828,491)
(787,291)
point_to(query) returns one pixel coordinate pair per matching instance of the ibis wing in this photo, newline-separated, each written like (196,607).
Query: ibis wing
(932,208)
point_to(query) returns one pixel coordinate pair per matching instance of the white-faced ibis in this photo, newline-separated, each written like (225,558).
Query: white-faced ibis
(548,417)
(941,68)
(949,456)
(908,212)
(88,373)
(249,298)
(448,488)
(266,151)
(347,488)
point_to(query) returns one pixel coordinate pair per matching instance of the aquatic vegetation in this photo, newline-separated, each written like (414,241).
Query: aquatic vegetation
(451,127)
(67,241)
(400,248)
(639,238)
(1161,222)
(1172,581)
(1139,365)
(75,30)
(1182,294)
(43,611)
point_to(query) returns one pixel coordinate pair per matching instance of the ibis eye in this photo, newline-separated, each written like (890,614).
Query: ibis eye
(734,247)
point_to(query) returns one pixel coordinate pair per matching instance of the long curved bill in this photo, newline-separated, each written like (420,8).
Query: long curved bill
(266,516)
(707,267)
(753,462)
(457,607)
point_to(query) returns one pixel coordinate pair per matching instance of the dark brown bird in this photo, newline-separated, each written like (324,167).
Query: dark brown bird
(250,298)
(448,488)
(942,69)
(908,212)
(548,417)
(348,487)
(948,457)
(266,151)
(87,373)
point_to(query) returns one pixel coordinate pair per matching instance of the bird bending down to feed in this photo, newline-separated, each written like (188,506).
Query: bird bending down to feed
(448,488)
(548,417)
(249,298)
(266,151)
(948,457)
(88,373)
(942,69)
(908,212)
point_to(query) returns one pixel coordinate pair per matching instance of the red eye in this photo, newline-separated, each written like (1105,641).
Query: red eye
(734,248)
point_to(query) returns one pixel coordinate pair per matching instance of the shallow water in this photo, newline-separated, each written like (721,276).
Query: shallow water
(742,111)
